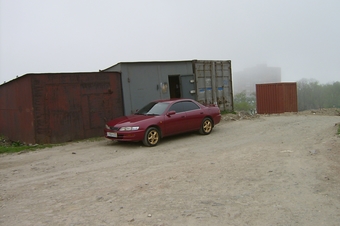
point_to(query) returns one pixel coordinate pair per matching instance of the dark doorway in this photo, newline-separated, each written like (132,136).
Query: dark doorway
(174,86)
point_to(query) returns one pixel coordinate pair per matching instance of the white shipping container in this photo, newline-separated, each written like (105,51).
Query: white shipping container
(214,83)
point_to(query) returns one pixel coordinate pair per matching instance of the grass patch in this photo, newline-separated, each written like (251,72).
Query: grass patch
(14,149)
(9,146)
(228,112)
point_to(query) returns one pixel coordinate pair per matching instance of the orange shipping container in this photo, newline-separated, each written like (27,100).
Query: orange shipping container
(274,98)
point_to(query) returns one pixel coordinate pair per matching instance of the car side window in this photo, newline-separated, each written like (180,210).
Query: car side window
(189,106)
(184,106)
(176,107)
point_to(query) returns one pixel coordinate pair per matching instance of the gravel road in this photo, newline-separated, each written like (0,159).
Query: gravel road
(269,170)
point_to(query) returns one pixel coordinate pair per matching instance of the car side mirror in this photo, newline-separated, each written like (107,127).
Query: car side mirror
(171,113)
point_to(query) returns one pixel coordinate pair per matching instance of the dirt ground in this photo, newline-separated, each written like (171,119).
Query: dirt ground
(251,170)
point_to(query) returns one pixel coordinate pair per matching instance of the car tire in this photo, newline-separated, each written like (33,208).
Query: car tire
(151,137)
(206,126)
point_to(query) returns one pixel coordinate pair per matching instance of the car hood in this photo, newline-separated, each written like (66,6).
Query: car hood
(130,120)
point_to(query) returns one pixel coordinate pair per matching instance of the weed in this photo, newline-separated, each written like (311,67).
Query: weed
(10,146)
(228,112)
(16,144)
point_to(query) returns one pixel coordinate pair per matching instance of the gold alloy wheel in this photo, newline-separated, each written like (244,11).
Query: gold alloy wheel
(207,126)
(153,137)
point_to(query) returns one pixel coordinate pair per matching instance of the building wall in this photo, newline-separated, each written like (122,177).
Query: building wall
(72,106)
(59,107)
(142,81)
(16,110)
(207,81)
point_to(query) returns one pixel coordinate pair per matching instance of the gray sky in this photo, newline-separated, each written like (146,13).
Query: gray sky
(300,36)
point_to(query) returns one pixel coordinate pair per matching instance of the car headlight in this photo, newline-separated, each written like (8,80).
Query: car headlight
(128,128)
(107,127)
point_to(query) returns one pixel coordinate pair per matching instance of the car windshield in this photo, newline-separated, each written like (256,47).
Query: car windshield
(153,108)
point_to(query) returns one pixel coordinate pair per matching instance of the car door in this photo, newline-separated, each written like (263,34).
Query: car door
(194,115)
(175,122)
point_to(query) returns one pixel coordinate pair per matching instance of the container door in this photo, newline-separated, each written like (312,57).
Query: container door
(188,86)
(214,83)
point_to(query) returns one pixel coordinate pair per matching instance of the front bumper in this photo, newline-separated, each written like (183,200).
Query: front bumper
(136,135)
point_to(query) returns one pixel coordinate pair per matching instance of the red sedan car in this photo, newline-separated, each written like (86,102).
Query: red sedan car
(163,118)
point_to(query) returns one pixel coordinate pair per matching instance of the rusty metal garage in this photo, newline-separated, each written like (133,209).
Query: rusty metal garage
(59,107)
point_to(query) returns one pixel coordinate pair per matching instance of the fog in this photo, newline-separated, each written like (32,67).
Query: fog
(300,37)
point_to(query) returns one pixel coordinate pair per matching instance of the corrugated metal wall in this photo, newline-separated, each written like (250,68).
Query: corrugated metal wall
(72,106)
(16,110)
(274,98)
(64,106)
(214,83)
